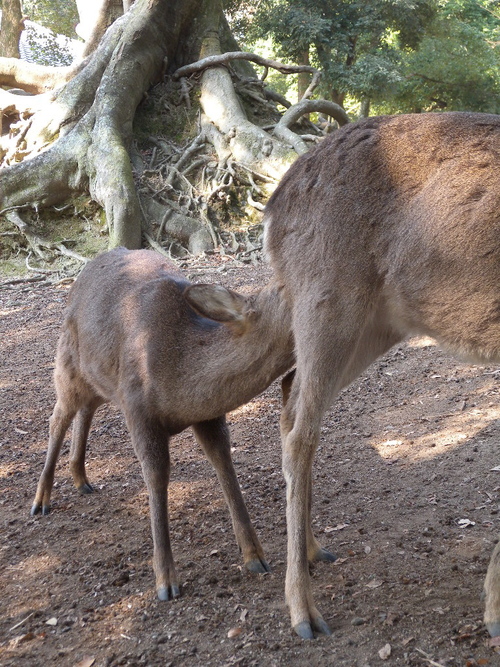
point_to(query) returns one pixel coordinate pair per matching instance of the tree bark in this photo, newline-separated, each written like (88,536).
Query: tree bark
(12,26)
(304,78)
(95,18)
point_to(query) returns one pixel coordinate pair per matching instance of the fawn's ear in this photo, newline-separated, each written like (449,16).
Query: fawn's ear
(219,304)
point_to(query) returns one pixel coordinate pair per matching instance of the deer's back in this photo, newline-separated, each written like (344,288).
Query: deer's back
(405,211)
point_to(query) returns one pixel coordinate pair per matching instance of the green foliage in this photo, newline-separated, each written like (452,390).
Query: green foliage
(402,55)
(457,64)
(45,49)
(345,38)
(61,16)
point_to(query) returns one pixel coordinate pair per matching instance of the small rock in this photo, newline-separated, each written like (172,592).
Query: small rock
(122,579)
(385,652)
(391,618)
(51,621)
(358,621)
(88,661)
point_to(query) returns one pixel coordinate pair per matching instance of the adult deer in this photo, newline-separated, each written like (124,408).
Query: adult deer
(131,337)
(390,227)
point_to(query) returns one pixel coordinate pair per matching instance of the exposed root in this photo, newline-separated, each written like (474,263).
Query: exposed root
(39,246)
(223,58)
(34,78)
(78,137)
(292,115)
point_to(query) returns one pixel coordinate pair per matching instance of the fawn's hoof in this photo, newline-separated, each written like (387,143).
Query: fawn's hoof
(37,508)
(166,593)
(258,566)
(86,488)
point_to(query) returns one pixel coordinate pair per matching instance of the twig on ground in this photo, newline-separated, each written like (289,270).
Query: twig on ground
(19,281)
(38,270)
(428,659)
(17,625)
(37,243)
(156,246)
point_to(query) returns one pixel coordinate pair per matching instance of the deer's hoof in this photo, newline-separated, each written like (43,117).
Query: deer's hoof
(86,488)
(306,630)
(37,508)
(493,628)
(325,555)
(321,626)
(166,593)
(258,566)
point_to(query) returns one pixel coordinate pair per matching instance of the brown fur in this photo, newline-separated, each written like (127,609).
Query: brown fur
(132,337)
(390,227)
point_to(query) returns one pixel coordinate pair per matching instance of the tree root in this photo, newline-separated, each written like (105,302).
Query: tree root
(92,154)
(246,142)
(39,245)
(219,59)
(77,138)
(292,115)
(34,78)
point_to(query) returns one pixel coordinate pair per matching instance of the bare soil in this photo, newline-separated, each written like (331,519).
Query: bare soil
(407,491)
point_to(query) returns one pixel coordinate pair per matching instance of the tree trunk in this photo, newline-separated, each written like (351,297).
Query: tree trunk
(94,125)
(12,27)
(364,110)
(95,18)
(304,79)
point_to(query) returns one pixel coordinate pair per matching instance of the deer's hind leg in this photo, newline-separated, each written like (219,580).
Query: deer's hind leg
(81,427)
(491,594)
(74,395)
(333,346)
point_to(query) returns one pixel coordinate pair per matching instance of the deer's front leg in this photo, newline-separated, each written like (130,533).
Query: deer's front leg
(151,446)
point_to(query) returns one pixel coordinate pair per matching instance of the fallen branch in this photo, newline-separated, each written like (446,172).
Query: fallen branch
(17,625)
(428,659)
(10,284)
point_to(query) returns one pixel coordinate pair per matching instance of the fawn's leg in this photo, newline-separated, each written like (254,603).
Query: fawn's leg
(151,444)
(214,439)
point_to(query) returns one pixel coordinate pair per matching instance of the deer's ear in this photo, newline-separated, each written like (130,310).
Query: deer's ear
(217,303)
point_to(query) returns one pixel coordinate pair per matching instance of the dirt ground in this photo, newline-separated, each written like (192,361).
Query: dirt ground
(407,492)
